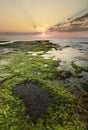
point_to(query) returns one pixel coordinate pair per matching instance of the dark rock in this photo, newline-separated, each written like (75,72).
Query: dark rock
(67,46)
(35,98)
(41,41)
(85,86)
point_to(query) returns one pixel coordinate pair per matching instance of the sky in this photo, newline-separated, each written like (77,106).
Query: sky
(37,15)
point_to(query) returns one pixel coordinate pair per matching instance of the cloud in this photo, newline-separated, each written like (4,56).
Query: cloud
(72,25)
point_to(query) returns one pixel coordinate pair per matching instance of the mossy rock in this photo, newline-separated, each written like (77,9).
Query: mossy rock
(30,45)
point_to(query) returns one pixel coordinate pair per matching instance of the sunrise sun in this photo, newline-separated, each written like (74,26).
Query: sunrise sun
(42,30)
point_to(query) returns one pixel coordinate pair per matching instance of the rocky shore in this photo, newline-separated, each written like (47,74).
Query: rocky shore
(45,84)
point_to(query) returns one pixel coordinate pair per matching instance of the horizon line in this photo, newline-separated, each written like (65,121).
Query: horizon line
(12,33)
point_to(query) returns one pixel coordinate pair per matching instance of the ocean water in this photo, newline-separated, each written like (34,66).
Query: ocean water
(34,37)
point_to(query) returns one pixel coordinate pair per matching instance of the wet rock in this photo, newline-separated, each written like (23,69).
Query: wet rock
(67,46)
(4,51)
(84,75)
(85,86)
(35,98)
(81,66)
(3,41)
(64,75)
(81,63)
(41,41)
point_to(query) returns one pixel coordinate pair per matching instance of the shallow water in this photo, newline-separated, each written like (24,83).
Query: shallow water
(72,50)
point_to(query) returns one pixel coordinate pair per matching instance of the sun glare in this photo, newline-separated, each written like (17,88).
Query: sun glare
(42,30)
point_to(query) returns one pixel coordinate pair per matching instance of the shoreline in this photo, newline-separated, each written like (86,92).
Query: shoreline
(62,54)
